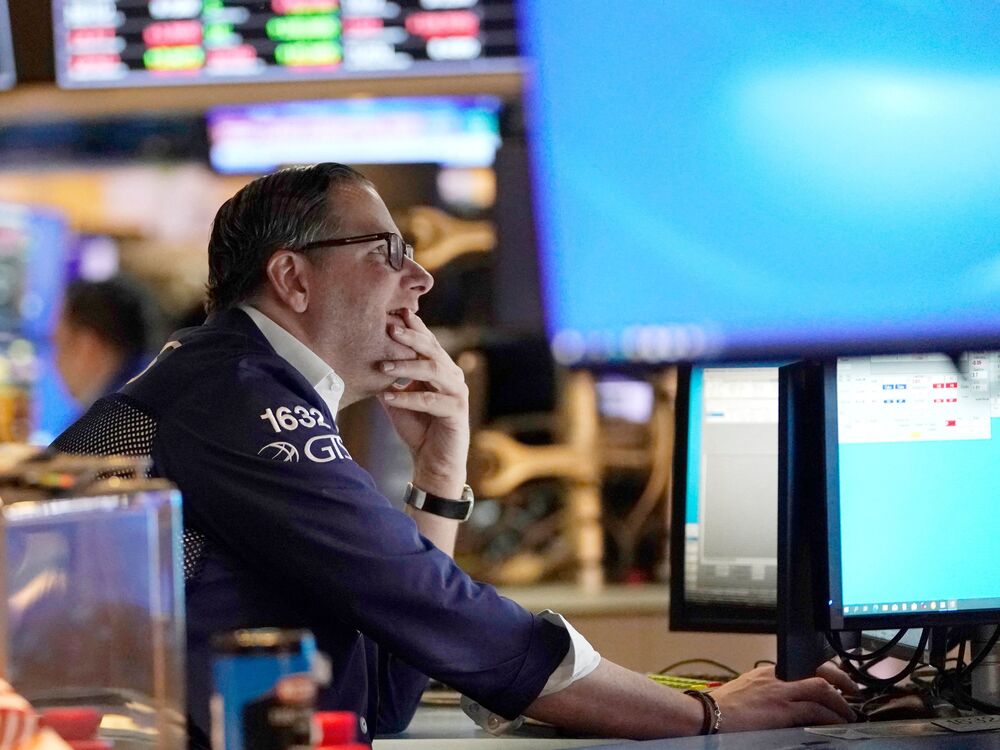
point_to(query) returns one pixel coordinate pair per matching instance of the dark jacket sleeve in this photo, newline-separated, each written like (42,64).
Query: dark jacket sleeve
(400,688)
(283,498)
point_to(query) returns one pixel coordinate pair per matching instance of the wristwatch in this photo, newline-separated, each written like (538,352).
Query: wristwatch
(459,510)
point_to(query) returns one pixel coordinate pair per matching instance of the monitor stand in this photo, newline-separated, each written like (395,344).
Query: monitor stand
(986,676)
(801,642)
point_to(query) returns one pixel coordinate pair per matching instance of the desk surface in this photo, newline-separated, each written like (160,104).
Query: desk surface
(799,739)
(444,728)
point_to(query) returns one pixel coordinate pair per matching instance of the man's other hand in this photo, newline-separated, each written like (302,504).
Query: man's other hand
(431,414)
(759,700)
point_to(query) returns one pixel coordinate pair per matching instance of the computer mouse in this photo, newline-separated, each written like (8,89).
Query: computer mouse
(910,706)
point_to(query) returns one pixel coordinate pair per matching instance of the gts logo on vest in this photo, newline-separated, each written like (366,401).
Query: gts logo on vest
(320,449)
(325,448)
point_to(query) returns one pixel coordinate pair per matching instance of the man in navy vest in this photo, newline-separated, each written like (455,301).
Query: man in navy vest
(313,302)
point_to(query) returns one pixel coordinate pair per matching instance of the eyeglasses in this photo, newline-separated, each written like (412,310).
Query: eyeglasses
(394,249)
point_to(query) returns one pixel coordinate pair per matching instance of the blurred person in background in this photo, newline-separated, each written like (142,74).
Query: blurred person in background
(103,336)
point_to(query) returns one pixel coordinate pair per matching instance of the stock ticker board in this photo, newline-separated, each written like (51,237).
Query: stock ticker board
(104,43)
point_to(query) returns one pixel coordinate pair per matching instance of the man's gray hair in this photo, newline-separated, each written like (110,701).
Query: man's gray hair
(285,209)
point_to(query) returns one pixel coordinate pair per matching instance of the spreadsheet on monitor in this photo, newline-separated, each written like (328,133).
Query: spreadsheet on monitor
(731,518)
(913,494)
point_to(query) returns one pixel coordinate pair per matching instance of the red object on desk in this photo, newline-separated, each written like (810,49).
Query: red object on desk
(73,723)
(89,744)
(336,728)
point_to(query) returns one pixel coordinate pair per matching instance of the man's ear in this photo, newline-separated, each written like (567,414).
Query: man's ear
(287,276)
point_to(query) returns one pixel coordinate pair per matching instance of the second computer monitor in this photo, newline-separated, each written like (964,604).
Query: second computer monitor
(887,516)
(724,519)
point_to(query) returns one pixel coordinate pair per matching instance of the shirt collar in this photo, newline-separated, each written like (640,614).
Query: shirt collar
(320,375)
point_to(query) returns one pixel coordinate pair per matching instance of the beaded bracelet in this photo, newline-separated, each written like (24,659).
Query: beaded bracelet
(713,714)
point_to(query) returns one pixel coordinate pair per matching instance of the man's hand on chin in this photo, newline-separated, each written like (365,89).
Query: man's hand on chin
(431,413)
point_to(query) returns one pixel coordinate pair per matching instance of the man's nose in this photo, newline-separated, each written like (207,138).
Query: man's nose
(416,278)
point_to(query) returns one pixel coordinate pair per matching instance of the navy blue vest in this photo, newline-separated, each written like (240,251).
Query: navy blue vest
(283,529)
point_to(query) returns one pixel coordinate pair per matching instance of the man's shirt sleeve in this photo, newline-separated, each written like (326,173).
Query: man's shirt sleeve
(580,660)
(266,476)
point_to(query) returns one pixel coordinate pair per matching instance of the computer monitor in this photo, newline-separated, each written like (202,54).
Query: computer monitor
(913,458)
(34,246)
(723,179)
(7,75)
(724,502)
(888,470)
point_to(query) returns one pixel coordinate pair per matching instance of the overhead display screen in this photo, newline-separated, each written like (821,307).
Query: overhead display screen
(456,131)
(103,43)
(721,179)
(6,49)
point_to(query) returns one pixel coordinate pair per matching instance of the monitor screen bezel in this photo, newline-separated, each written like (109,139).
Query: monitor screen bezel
(834,620)
(685,614)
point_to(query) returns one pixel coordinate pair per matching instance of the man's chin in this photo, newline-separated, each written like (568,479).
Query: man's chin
(396,351)
(388,383)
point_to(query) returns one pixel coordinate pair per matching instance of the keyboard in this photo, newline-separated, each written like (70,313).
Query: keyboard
(981,723)
(437,694)
(909,728)
(684,683)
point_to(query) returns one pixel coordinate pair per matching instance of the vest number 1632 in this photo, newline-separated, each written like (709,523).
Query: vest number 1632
(285,419)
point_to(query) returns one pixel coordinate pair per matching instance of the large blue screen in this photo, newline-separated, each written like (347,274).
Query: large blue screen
(757,178)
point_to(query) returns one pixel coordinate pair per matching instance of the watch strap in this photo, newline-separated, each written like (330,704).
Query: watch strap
(458,510)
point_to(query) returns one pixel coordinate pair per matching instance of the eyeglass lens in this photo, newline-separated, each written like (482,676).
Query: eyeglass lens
(398,250)
(395,252)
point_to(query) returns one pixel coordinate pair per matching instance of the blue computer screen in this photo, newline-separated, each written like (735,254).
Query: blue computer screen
(913,509)
(728,177)
(34,247)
